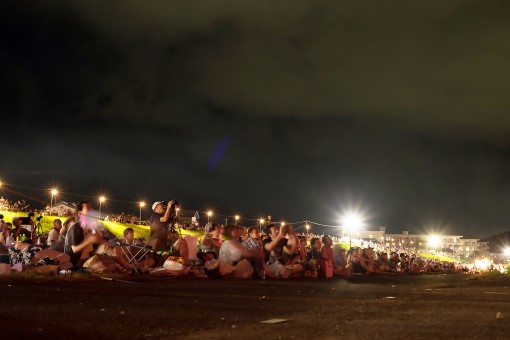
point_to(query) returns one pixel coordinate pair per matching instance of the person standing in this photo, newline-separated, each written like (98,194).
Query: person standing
(159,222)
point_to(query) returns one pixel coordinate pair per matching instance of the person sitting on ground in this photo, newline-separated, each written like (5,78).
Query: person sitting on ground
(253,242)
(5,234)
(177,245)
(352,258)
(313,257)
(328,257)
(365,263)
(211,263)
(340,257)
(233,256)
(60,243)
(54,233)
(211,241)
(20,233)
(129,238)
(394,261)
(82,233)
(383,263)
(299,255)
(274,246)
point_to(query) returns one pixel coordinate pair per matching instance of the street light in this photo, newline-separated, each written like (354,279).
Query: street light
(507,251)
(53,192)
(434,241)
(352,221)
(209,214)
(307,226)
(102,199)
(142,204)
(261,222)
(236,218)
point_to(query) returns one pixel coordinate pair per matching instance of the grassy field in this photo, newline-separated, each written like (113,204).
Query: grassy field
(116,228)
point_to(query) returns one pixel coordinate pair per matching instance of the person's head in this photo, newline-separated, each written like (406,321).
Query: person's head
(57,223)
(207,242)
(231,232)
(290,229)
(327,241)
(271,231)
(67,223)
(354,251)
(82,214)
(6,229)
(16,222)
(82,208)
(214,229)
(244,233)
(159,207)
(129,234)
(315,243)
(210,255)
(254,232)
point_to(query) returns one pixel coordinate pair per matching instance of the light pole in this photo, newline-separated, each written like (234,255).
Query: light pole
(102,199)
(261,222)
(236,218)
(307,226)
(142,204)
(209,214)
(53,192)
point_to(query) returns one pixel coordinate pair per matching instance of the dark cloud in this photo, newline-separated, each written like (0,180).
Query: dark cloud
(294,108)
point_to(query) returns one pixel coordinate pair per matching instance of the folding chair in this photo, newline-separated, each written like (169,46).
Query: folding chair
(134,253)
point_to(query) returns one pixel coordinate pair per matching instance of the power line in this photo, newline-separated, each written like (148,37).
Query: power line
(5,187)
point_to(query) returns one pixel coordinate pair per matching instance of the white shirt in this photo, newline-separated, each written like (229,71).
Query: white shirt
(230,252)
(52,237)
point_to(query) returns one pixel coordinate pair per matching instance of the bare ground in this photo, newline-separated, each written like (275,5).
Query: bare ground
(372,307)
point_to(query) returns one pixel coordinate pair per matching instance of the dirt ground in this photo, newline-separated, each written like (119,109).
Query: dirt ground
(371,307)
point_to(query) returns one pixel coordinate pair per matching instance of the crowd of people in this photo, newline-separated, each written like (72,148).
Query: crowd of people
(230,251)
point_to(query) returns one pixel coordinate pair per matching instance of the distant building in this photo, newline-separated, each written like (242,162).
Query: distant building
(455,244)
(62,209)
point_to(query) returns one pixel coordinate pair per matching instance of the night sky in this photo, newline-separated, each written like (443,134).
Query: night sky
(295,109)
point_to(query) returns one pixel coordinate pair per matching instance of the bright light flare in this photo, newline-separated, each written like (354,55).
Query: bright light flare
(209,213)
(352,221)
(142,204)
(483,264)
(54,192)
(261,221)
(237,217)
(102,199)
(507,251)
(434,241)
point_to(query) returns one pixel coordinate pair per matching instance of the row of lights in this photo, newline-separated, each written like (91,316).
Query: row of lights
(54,192)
